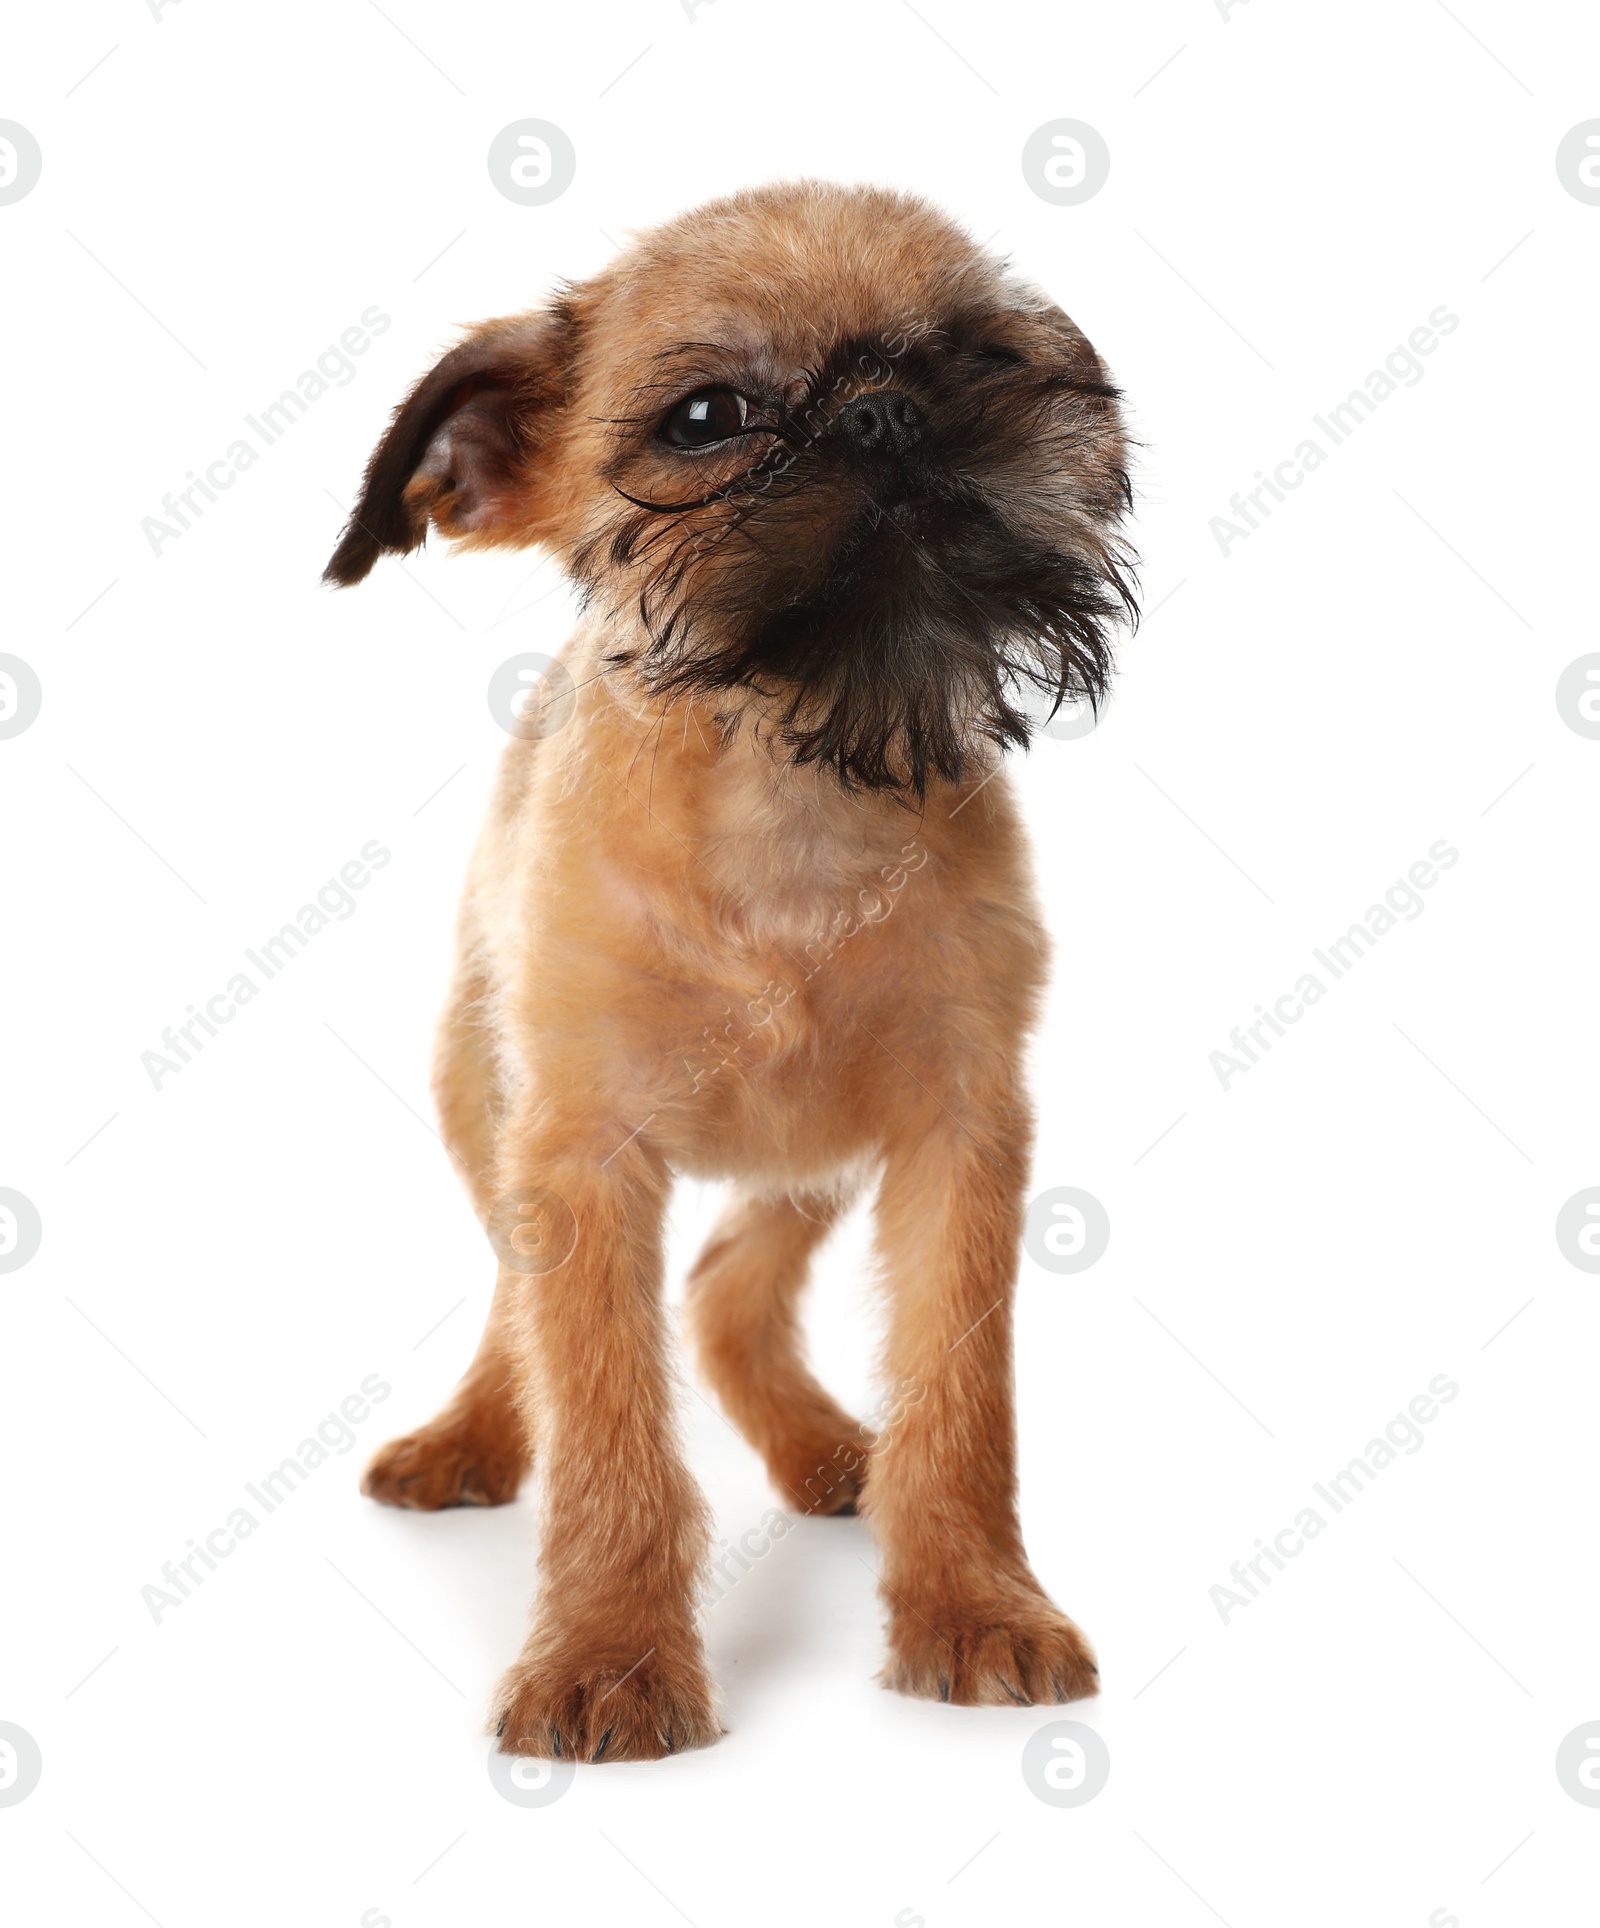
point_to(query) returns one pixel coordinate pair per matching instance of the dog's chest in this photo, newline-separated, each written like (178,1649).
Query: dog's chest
(796,888)
(793,985)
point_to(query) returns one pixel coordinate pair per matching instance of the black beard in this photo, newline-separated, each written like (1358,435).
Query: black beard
(925,645)
(891,641)
(930,629)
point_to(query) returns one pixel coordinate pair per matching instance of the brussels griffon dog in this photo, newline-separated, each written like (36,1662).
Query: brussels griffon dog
(841,498)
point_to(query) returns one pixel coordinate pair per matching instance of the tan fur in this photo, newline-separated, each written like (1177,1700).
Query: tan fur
(685,954)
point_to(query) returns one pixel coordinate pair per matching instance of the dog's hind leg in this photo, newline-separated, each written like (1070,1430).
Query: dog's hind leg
(744,1297)
(475,1452)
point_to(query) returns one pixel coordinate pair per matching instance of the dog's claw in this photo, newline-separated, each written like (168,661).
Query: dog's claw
(1014,1654)
(583,1712)
(501,1728)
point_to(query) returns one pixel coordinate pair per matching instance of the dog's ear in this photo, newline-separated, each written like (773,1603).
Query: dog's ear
(463,448)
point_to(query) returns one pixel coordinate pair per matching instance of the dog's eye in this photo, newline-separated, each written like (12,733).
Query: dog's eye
(710,415)
(997,355)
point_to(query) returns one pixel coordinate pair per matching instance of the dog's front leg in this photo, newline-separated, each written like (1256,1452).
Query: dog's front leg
(613,1668)
(968,1621)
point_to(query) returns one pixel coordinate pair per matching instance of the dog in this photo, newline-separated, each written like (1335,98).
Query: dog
(842,499)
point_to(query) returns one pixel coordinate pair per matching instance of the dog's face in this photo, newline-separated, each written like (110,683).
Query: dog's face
(858,487)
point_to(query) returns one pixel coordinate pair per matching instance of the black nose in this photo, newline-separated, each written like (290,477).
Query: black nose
(882,423)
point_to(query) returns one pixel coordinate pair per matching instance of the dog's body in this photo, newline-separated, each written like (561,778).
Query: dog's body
(753,903)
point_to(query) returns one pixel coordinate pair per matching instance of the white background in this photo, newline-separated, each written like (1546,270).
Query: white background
(1291,194)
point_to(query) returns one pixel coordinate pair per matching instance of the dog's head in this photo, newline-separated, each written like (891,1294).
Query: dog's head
(828,465)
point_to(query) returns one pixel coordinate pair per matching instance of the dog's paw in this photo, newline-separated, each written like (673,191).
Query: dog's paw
(443,1465)
(1004,1655)
(559,1706)
(824,1475)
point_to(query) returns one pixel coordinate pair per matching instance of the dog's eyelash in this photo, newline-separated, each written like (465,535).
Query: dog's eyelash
(646,399)
(652,421)
(1070,384)
(718,494)
(649,419)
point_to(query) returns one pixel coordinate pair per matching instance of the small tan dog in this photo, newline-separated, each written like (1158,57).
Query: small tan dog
(753,903)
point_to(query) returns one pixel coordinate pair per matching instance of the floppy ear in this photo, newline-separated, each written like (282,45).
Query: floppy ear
(462,450)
